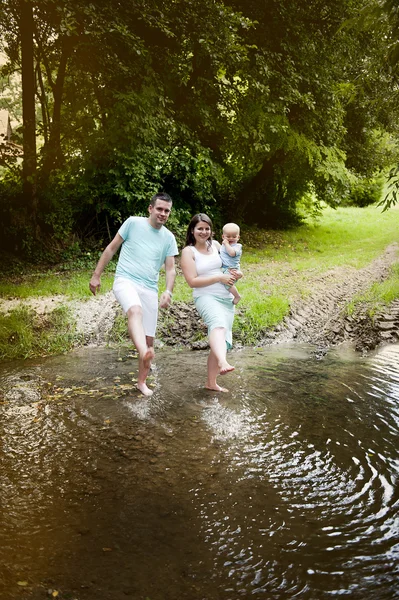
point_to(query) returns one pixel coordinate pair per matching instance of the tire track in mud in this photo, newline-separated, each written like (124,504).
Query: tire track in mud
(321,319)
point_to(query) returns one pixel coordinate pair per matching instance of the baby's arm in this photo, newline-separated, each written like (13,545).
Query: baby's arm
(229,249)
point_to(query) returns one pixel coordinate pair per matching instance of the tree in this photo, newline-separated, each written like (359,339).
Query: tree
(293,130)
(26,28)
(120,88)
(381,19)
(244,107)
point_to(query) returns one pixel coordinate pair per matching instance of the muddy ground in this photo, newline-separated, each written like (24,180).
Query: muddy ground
(318,318)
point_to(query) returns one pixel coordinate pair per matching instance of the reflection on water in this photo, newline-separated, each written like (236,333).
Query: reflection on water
(287,487)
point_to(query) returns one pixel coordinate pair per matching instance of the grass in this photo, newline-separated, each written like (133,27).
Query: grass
(278,266)
(345,236)
(23,334)
(72,285)
(378,296)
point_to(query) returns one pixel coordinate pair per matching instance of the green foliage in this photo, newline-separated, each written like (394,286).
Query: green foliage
(364,192)
(119,332)
(391,196)
(23,334)
(11,206)
(177,223)
(256,111)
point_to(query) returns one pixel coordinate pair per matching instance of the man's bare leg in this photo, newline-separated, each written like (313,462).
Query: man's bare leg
(146,351)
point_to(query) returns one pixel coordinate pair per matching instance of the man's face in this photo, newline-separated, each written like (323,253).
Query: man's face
(159,213)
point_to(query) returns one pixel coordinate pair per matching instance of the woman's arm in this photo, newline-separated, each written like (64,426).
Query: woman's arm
(189,269)
(216,244)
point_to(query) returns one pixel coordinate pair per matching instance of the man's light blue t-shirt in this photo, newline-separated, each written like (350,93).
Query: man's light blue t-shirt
(144,251)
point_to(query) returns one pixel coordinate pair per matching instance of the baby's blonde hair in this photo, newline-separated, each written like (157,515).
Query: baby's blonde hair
(233,227)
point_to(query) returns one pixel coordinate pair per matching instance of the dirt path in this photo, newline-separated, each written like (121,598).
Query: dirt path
(319,319)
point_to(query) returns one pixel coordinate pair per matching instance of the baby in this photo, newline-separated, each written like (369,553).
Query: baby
(230,253)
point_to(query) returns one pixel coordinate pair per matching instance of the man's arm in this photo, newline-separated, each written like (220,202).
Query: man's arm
(106,256)
(170,271)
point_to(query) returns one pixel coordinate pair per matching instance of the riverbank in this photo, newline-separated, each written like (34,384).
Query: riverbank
(325,283)
(321,318)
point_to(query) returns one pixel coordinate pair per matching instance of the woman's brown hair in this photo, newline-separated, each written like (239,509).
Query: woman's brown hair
(190,239)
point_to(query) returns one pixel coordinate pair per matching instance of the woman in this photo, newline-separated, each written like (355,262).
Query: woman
(201,266)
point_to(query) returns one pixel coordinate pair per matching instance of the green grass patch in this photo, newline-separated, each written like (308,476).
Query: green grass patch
(24,334)
(72,285)
(278,266)
(378,295)
(345,236)
(119,333)
(260,308)
(253,319)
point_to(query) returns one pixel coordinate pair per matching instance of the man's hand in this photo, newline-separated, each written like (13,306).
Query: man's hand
(95,284)
(165,300)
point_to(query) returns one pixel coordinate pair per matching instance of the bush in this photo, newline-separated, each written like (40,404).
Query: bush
(364,191)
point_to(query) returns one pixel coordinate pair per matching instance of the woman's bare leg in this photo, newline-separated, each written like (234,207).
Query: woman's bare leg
(213,372)
(145,350)
(217,343)
(217,362)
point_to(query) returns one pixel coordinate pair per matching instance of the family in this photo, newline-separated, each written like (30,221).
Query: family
(210,269)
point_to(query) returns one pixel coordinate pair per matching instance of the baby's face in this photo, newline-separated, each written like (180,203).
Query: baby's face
(231,236)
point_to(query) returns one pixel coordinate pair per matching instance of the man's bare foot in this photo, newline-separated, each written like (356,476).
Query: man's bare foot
(236,299)
(216,388)
(225,368)
(148,358)
(144,389)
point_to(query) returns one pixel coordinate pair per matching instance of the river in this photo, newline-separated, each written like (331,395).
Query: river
(286,487)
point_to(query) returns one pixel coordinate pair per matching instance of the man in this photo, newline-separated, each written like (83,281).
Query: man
(146,246)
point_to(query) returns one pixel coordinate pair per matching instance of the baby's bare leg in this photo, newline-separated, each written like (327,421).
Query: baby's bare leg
(233,290)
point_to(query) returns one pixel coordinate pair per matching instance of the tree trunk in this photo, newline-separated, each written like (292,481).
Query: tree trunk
(52,151)
(28,111)
(258,200)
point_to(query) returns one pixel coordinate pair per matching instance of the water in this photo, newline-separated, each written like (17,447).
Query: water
(287,487)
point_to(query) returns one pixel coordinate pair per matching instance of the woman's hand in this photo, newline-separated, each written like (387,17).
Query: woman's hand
(227,279)
(236,274)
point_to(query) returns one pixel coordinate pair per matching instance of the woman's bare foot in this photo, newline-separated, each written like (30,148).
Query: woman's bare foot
(144,389)
(225,368)
(148,358)
(216,388)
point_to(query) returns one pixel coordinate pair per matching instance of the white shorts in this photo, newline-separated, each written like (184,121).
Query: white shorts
(128,293)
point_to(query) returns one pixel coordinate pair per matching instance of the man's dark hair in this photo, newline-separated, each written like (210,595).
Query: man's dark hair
(160,196)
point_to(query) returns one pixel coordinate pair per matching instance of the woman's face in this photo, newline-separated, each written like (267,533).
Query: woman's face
(202,231)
